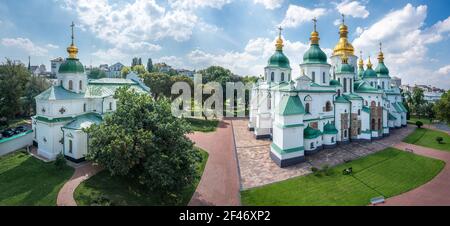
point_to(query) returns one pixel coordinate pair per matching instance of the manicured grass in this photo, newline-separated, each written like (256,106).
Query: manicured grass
(387,173)
(26,181)
(124,192)
(427,138)
(413,120)
(202,125)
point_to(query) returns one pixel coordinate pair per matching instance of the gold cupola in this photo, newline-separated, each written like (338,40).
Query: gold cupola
(369,64)
(279,44)
(314,34)
(343,46)
(361,61)
(72,49)
(381,55)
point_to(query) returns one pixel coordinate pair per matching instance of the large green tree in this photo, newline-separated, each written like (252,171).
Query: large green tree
(160,83)
(143,141)
(13,80)
(96,73)
(34,87)
(442,107)
(418,101)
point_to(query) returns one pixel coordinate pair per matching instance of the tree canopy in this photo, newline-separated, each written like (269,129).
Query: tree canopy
(142,140)
(96,73)
(442,107)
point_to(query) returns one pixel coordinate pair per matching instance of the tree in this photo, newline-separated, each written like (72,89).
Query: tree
(418,101)
(428,110)
(139,69)
(442,107)
(96,73)
(143,141)
(439,140)
(419,124)
(13,79)
(125,71)
(160,83)
(149,65)
(136,61)
(34,87)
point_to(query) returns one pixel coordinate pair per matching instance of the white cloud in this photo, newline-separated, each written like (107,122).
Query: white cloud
(52,46)
(192,4)
(405,43)
(359,31)
(296,15)
(444,70)
(270,4)
(352,8)
(26,45)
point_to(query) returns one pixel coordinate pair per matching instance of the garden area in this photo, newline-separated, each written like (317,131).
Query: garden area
(201,125)
(387,173)
(429,138)
(26,181)
(104,189)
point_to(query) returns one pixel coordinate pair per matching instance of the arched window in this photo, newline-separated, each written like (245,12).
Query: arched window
(323,77)
(110,105)
(379,124)
(70,85)
(328,106)
(313,76)
(84,107)
(373,124)
(345,133)
(339,92)
(345,85)
(332,139)
(81,85)
(359,111)
(308,108)
(371,83)
(366,103)
(373,104)
(60,83)
(282,76)
(379,104)
(359,130)
(272,76)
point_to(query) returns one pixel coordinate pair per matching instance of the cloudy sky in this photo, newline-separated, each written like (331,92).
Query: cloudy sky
(236,34)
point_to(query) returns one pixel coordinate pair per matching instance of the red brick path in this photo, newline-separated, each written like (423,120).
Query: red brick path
(435,192)
(219,185)
(82,173)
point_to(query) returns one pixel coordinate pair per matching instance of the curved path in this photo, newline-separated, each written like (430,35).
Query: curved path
(219,185)
(434,192)
(82,173)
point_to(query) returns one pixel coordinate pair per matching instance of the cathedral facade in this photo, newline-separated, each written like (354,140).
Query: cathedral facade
(327,104)
(75,103)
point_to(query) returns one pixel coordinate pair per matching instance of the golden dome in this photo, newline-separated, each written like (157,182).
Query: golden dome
(344,59)
(381,55)
(314,35)
(72,49)
(361,61)
(369,64)
(343,46)
(279,44)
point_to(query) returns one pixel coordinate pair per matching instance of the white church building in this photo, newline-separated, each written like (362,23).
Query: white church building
(74,103)
(327,104)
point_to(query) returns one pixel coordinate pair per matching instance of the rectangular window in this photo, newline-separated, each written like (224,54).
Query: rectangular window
(313,76)
(70,146)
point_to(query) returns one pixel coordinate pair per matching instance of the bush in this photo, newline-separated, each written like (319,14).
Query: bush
(314,169)
(326,170)
(439,140)
(60,161)
(419,124)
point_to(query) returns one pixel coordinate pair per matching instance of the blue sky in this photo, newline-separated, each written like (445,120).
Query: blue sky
(237,34)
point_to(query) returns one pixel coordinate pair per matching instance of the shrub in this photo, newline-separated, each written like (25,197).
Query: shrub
(326,170)
(60,161)
(439,139)
(314,169)
(419,124)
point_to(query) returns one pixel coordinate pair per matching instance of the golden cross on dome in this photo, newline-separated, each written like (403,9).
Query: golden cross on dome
(72,26)
(381,46)
(343,18)
(279,31)
(315,23)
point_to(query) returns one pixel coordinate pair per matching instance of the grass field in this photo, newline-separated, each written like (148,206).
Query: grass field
(26,181)
(202,125)
(413,120)
(387,173)
(103,189)
(427,138)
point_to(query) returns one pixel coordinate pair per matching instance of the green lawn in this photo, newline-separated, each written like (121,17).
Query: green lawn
(103,189)
(202,125)
(427,138)
(388,173)
(26,181)
(413,120)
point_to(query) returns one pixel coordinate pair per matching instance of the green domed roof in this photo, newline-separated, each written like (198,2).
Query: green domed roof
(278,59)
(382,70)
(330,129)
(314,55)
(71,65)
(334,82)
(369,73)
(345,68)
(360,72)
(310,133)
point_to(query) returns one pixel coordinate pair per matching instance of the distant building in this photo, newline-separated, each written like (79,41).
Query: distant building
(54,64)
(185,72)
(114,71)
(431,94)
(162,67)
(396,81)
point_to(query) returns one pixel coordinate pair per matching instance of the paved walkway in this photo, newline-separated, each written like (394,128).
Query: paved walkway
(219,185)
(433,193)
(82,172)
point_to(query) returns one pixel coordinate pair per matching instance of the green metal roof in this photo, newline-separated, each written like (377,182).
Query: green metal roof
(366,109)
(314,55)
(402,106)
(58,93)
(291,105)
(71,65)
(364,87)
(310,133)
(278,59)
(330,128)
(369,73)
(53,120)
(345,69)
(352,96)
(84,121)
(382,70)
(391,117)
(397,107)
(334,82)
(341,99)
